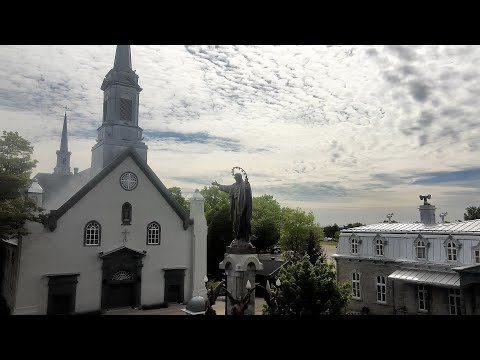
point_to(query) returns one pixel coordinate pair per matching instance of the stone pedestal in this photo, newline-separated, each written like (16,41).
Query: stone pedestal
(240,268)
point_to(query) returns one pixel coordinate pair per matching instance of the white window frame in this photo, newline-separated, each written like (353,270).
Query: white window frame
(354,243)
(454,301)
(416,246)
(424,299)
(476,253)
(154,234)
(381,287)
(92,233)
(379,243)
(356,285)
(452,249)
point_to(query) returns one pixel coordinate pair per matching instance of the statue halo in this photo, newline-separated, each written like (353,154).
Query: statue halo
(243,171)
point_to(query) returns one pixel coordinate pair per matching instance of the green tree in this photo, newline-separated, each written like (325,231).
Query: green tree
(296,229)
(311,289)
(220,227)
(330,230)
(266,220)
(177,194)
(16,165)
(472,213)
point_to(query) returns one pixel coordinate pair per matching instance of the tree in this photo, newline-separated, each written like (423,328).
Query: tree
(266,219)
(311,289)
(296,230)
(357,224)
(16,165)
(177,194)
(330,230)
(220,227)
(472,213)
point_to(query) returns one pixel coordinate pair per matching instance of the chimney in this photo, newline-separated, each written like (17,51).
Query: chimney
(75,170)
(427,211)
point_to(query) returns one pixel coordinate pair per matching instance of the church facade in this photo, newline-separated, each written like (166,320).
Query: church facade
(422,268)
(115,236)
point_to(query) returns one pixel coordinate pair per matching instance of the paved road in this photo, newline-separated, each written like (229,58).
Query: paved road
(176,309)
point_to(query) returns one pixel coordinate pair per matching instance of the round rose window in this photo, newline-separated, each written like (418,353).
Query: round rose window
(129,181)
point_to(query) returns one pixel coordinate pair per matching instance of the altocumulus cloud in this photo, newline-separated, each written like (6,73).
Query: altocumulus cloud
(324,118)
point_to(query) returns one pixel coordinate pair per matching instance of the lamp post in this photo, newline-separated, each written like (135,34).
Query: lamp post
(241,304)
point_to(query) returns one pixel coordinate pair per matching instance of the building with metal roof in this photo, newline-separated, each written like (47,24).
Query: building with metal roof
(412,268)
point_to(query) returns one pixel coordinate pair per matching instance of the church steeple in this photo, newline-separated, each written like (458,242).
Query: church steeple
(63,155)
(119,129)
(123,58)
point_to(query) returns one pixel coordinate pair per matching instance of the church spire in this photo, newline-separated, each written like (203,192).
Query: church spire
(64,141)
(120,129)
(123,58)
(63,155)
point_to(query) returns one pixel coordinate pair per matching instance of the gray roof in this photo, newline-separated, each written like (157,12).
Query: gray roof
(35,188)
(57,188)
(470,226)
(427,277)
(270,267)
(72,200)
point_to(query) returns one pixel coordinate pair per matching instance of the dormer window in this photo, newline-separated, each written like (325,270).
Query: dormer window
(354,242)
(476,253)
(452,248)
(379,245)
(421,248)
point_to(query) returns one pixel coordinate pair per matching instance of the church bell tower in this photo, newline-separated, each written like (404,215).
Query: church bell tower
(119,129)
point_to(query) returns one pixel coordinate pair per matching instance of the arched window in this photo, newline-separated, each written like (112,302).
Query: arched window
(421,248)
(126,214)
(379,247)
(122,275)
(452,247)
(153,233)
(354,242)
(92,234)
(451,251)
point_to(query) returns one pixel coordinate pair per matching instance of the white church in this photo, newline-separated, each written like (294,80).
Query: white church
(115,235)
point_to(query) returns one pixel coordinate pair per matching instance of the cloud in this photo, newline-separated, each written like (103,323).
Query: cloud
(338,126)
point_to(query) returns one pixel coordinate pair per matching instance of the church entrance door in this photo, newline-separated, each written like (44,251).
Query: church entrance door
(121,278)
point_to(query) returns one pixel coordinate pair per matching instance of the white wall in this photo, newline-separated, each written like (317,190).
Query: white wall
(401,247)
(62,251)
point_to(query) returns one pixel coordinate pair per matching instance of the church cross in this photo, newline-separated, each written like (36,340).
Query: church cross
(125,233)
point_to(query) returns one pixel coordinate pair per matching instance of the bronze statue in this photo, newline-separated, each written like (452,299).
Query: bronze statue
(240,208)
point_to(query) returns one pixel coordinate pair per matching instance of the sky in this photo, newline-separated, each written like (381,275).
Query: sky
(351,133)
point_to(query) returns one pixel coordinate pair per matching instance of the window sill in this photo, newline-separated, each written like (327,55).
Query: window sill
(382,303)
(357,299)
(126,223)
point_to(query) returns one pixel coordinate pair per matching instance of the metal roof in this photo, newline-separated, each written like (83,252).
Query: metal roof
(35,187)
(470,226)
(427,277)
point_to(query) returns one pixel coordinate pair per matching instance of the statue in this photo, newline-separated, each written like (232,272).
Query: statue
(425,198)
(240,209)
